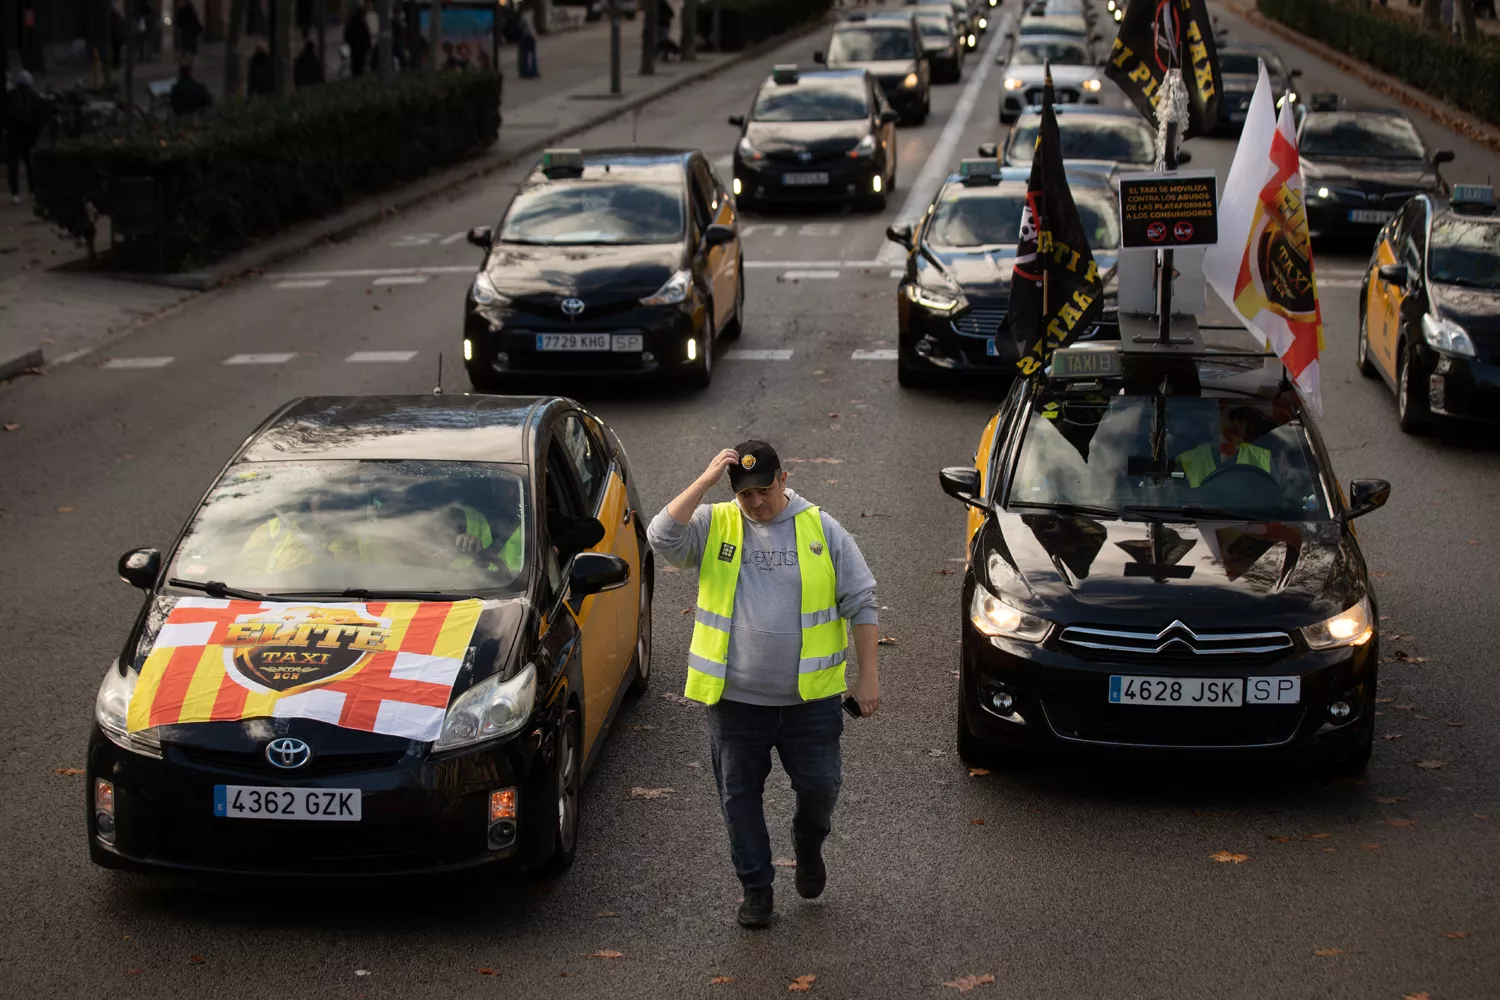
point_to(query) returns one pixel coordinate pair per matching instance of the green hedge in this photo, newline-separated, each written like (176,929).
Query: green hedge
(742,23)
(1466,76)
(256,167)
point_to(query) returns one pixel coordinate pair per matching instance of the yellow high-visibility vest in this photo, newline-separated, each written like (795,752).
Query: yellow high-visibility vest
(825,636)
(1199,462)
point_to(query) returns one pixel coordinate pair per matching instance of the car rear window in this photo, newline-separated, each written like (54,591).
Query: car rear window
(812,101)
(590,212)
(1123,141)
(1062,53)
(873,44)
(1384,137)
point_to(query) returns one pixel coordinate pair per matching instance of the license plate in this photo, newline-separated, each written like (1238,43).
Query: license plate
(1273,690)
(1236,116)
(804,180)
(1188,692)
(989,348)
(588,342)
(259,802)
(1370,215)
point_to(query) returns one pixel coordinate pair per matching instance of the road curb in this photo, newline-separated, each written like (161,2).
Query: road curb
(1444,114)
(21,362)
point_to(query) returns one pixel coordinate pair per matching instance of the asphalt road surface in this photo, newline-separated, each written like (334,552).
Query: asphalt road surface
(1089,881)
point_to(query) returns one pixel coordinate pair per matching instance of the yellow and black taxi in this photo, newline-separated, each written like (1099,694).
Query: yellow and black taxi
(820,136)
(392,637)
(1360,165)
(1161,558)
(1075,77)
(953,299)
(1429,318)
(1117,138)
(889,45)
(616,262)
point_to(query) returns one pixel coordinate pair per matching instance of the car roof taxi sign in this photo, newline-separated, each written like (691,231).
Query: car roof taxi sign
(562,161)
(784,73)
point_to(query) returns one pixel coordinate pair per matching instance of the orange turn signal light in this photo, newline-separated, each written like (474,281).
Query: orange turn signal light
(502,804)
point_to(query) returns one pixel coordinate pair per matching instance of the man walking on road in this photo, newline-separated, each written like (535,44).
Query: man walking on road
(777,578)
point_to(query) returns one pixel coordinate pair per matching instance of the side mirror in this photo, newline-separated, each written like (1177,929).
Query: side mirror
(584,533)
(1366,495)
(140,568)
(1296,73)
(737,120)
(963,484)
(596,572)
(482,237)
(820,56)
(1184,156)
(1394,274)
(989,149)
(899,233)
(889,117)
(717,235)
(1442,156)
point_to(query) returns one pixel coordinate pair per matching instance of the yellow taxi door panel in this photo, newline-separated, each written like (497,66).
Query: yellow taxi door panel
(603,617)
(723,263)
(983,460)
(1385,305)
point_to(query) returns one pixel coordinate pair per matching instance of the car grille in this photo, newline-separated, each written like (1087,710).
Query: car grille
(979,321)
(1064,95)
(819,161)
(254,762)
(593,313)
(1163,726)
(1175,643)
(315,848)
(1354,196)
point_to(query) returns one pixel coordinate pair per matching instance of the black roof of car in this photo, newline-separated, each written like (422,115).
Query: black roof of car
(449,427)
(876,17)
(850,73)
(637,163)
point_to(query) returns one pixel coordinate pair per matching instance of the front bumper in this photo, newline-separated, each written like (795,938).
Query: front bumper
(506,342)
(905,101)
(1462,388)
(976,340)
(1344,220)
(848,178)
(419,815)
(1014,102)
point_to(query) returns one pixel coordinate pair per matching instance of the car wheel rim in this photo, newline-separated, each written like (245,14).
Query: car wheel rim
(567,790)
(1364,340)
(1405,388)
(643,636)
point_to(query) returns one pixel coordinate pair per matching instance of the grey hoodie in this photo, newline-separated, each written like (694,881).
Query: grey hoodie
(765,638)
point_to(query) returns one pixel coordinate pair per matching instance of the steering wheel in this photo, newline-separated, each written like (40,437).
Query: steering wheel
(1239,470)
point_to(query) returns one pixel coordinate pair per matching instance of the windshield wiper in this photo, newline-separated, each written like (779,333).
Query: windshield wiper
(218,589)
(1188,512)
(359,593)
(1085,509)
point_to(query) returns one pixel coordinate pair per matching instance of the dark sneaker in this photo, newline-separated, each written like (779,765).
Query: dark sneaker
(756,910)
(812,875)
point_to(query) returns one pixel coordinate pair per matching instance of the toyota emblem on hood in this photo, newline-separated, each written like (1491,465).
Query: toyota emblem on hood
(288,752)
(572,307)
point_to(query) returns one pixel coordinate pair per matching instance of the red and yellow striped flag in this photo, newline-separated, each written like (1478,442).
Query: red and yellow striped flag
(382,667)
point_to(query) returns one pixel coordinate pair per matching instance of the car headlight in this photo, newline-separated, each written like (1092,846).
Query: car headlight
(484,292)
(993,617)
(1347,628)
(973,41)
(1119,14)
(1092,86)
(1014,83)
(1447,336)
(865,147)
(674,291)
(1321,194)
(490,709)
(111,711)
(747,151)
(984,23)
(911,81)
(936,292)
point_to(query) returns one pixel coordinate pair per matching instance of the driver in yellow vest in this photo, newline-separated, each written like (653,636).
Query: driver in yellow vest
(1207,458)
(777,581)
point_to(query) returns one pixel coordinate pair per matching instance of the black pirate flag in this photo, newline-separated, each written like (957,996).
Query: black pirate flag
(1157,35)
(1056,292)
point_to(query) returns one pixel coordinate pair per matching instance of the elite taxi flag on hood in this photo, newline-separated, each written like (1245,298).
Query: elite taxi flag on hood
(1156,35)
(1262,265)
(1056,291)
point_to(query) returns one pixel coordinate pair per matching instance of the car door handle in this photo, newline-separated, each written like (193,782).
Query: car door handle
(628,514)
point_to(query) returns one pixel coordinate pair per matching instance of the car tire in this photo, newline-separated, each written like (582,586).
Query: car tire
(910,376)
(1354,763)
(640,676)
(873,202)
(568,781)
(974,751)
(1362,348)
(736,324)
(1411,399)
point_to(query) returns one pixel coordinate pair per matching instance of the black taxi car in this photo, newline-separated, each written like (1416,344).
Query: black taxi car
(1429,318)
(1160,557)
(954,296)
(1089,133)
(889,45)
(338,510)
(617,262)
(1360,165)
(944,41)
(821,136)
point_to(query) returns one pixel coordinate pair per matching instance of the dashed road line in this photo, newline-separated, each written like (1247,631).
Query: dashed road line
(372,272)
(882,354)
(138,362)
(741,354)
(402,279)
(809,275)
(381,356)
(260,359)
(304,283)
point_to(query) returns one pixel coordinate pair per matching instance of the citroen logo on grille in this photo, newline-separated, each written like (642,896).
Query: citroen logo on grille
(572,307)
(288,753)
(804,155)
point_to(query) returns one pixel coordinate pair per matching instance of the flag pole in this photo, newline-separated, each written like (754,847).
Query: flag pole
(1164,282)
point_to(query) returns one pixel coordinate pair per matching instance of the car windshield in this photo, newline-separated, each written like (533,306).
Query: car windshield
(1384,137)
(1054,26)
(874,44)
(1061,53)
(968,217)
(1248,64)
(1465,252)
(937,26)
(1249,458)
(812,102)
(1124,141)
(594,212)
(328,526)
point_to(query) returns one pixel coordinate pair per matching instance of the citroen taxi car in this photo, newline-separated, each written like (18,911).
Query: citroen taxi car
(391,638)
(614,262)
(1429,318)
(1160,558)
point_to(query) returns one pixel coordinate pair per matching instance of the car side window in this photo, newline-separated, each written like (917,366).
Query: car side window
(699,195)
(563,509)
(1414,236)
(587,458)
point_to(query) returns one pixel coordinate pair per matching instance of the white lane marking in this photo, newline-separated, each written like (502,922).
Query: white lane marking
(401,279)
(137,362)
(939,162)
(446,240)
(311,283)
(897,272)
(378,356)
(740,354)
(810,275)
(776,264)
(260,359)
(883,354)
(374,272)
(1340,283)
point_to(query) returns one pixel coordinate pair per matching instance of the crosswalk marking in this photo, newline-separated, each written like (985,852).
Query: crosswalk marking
(882,354)
(379,356)
(401,279)
(260,359)
(740,354)
(137,362)
(303,283)
(810,275)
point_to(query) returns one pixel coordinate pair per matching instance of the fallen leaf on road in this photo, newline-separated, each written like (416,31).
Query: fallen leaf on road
(976,822)
(1455,725)
(942,572)
(1330,850)
(801,984)
(1416,996)
(833,416)
(1403,708)
(1369,847)
(67,770)
(606,913)
(1390,736)
(1432,765)
(937,753)
(677,699)
(816,461)
(1401,822)
(1328,952)
(1384,701)
(132,972)
(643,725)
(1224,856)
(606,954)
(685,611)
(886,640)
(1389,800)
(1456,935)
(65,510)
(12,427)
(361,972)
(196,959)
(966,983)
(650,793)
(720,980)
(1278,839)
(978,772)
(784,863)
(487,972)
(1480,815)
(1317,836)
(695,765)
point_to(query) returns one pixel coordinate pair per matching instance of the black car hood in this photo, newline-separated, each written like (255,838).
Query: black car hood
(1076,570)
(985,272)
(818,138)
(882,70)
(491,650)
(557,272)
(1477,310)
(1395,174)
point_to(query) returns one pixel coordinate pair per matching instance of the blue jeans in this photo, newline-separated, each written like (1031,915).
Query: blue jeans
(806,737)
(527,55)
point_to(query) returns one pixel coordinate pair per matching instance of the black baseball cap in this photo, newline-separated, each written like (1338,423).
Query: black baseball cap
(756,468)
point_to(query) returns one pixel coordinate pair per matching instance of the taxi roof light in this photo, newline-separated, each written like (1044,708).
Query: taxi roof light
(977,170)
(1325,101)
(1473,195)
(562,162)
(784,73)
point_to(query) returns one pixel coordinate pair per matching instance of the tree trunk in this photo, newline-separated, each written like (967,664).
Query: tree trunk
(320,14)
(281,35)
(689,30)
(1463,10)
(383,41)
(1432,14)
(648,38)
(435,35)
(234,76)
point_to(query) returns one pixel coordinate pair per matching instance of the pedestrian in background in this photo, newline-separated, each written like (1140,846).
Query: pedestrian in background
(118,29)
(25,113)
(260,77)
(357,37)
(189,28)
(188,93)
(777,579)
(526,45)
(307,71)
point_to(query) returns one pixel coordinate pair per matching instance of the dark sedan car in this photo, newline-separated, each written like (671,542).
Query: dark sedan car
(1108,137)
(1429,318)
(390,639)
(954,297)
(620,262)
(1240,65)
(890,46)
(1360,165)
(821,136)
(944,42)
(1160,558)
